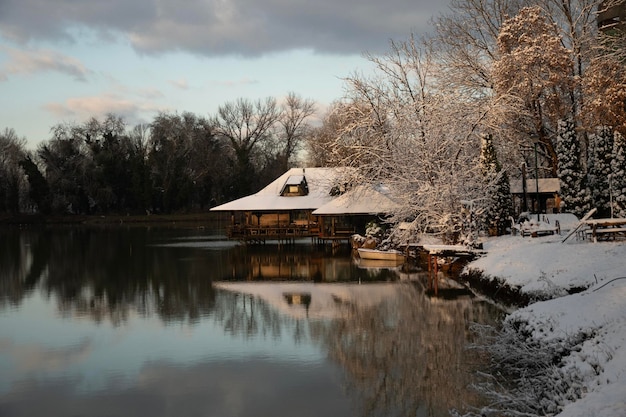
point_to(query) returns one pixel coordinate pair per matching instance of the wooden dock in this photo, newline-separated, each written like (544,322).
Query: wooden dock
(442,251)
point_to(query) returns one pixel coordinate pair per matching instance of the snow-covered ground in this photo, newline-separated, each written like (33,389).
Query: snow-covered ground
(547,268)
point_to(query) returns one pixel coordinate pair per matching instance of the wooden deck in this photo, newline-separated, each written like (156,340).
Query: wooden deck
(288,234)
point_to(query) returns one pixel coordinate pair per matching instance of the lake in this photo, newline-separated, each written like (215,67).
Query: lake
(178,321)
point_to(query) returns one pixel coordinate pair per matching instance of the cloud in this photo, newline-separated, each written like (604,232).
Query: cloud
(224,27)
(83,108)
(180,83)
(42,60)
(32,357)
(239,82)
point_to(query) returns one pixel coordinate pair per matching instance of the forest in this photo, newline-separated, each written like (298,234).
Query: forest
(500,89)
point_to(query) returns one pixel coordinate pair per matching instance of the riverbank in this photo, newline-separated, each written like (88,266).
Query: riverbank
(576,307)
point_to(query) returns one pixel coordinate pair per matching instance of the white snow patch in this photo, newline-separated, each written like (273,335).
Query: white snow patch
(541,265)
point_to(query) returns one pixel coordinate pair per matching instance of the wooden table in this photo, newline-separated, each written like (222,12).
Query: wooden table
(606,228)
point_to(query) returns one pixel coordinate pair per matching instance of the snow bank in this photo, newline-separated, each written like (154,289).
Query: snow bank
(596,317)
(545,266)
(600,360)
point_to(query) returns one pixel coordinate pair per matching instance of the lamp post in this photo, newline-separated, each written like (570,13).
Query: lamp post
(537,180)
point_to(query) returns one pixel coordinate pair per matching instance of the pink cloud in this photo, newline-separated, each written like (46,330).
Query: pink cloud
(83,108)
(43,60)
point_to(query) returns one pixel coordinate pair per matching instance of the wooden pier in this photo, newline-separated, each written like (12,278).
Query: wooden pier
(441,251)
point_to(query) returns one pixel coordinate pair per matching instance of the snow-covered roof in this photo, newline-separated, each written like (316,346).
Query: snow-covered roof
(294,180)
(362,199)
(546,185)
(320,181)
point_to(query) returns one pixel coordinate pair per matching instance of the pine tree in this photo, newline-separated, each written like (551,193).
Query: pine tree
(599,169)
(572,179)
(500,205)
(618,175)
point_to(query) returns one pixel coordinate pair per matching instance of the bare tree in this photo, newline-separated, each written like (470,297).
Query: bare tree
(13,185)
(293,127)
(245,125)
(180,158)
(67,162)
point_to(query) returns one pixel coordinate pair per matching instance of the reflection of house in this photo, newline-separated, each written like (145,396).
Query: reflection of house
(525,194)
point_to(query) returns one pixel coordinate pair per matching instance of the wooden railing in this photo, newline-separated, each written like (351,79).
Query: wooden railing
(265,232)
(283,232)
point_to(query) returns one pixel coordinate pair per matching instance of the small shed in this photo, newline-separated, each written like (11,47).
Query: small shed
(528,197)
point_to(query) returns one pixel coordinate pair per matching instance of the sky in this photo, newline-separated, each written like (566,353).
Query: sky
(65,61)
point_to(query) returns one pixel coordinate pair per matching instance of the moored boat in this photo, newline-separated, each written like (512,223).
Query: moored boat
(388,255)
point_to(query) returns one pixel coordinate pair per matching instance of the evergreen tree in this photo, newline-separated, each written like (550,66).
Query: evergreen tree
(500,204)
(599,169)
(572,179)
(39,191)
(618,175)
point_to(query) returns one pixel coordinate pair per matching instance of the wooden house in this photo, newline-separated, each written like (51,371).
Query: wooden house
(306,202)
(283,209)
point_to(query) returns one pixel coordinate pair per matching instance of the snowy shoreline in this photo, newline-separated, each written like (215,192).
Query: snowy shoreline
(583,314)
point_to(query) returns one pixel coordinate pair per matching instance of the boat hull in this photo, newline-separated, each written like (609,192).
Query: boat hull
(383,255)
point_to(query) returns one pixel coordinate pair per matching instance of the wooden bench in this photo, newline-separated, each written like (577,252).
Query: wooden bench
(607,232)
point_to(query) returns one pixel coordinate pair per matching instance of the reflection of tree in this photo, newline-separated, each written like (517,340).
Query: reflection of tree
(106,274)
(20,265)
(404,357)
(407,356)
(248,316)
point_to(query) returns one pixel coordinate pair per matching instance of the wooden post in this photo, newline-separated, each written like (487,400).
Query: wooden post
(435,276)
(429,271)
(433,283)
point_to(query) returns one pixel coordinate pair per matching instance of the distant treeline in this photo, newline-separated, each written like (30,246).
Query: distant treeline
(178,163)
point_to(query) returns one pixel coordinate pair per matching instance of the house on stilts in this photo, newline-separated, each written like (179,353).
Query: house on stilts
(306,202)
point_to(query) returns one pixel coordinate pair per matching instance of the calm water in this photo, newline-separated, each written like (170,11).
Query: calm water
(177,322)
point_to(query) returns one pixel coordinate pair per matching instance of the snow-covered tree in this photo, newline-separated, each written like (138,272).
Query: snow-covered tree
(499,205)
(604,85)
(618,175)
(406,129)
(535,66)
(572,179)
(599,169)
(466,41)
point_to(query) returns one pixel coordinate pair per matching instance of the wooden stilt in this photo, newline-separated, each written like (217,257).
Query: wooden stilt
(435,275)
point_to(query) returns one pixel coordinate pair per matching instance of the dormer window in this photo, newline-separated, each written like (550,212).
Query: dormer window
(295,185)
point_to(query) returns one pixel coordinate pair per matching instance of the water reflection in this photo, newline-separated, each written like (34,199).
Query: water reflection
(144,321)
(103,275)
(403,353)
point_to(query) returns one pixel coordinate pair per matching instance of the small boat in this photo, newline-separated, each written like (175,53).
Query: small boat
(387,255)
(379,263)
